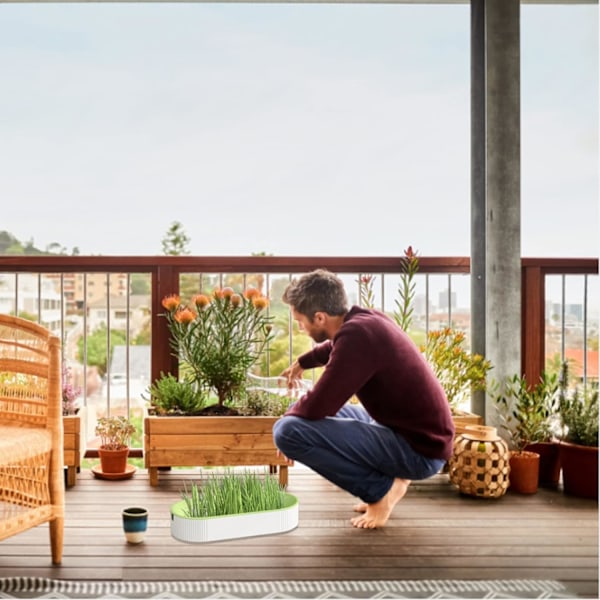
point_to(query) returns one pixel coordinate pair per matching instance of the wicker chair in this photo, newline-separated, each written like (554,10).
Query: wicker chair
(31,434)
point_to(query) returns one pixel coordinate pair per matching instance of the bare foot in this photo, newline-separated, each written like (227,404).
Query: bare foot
(377,513)
(360,507)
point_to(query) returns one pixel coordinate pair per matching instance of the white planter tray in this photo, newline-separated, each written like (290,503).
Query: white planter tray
(213,529)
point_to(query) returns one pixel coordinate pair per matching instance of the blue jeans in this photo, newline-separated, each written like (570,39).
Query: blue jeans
(353,451)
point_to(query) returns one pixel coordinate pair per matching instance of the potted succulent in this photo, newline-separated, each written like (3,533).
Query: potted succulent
(527,415)
(115,434)
(233,506)
(204,416)
(579,446)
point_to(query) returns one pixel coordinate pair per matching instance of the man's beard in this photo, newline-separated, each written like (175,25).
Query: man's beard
(319,336)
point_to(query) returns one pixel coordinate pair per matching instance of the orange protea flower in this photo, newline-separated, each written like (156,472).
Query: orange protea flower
(227,292)
(251,293)
(200,300)
(217,293)
(171,302)
(185,316)
(260,302)
(236,300)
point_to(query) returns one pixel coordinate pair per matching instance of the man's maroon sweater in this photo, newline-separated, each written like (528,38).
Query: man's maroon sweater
(372,358)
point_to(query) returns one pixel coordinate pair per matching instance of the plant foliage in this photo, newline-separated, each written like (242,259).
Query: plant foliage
(578,412)
(231,494)
(220,337)
(115,432)
(460,372)
(527,412)
(170,396)
(406,289)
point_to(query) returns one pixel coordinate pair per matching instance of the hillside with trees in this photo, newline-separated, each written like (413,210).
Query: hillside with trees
(9,244)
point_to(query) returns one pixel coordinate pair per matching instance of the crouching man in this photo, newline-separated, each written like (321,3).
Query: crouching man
(401,431)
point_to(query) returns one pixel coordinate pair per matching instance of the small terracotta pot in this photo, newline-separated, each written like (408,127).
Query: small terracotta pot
(113,461)
(524,472)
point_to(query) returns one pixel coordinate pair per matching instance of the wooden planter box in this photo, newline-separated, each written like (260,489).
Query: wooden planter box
(210,441)
(462,419)
(73,447)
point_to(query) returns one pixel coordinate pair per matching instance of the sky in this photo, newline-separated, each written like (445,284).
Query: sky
(290,129)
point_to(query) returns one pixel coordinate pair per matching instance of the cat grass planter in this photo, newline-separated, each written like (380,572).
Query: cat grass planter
(211,442)
(213,529)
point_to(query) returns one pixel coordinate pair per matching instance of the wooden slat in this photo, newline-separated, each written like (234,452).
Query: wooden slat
(212,441)
(434,533)
(212,425)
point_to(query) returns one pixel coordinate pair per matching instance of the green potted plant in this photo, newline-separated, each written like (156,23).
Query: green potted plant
(218,339)
(115,434)
(527,415)
(578,411)
(233,505)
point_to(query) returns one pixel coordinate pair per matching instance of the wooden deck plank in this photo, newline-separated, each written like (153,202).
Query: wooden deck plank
(434,533)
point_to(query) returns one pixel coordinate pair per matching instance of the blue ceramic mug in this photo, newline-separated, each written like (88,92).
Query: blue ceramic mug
(135,523)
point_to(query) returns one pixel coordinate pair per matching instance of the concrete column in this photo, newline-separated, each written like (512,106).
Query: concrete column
(503,191)
(478,226)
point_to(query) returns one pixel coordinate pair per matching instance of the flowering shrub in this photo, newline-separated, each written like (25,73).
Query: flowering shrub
(219,337)
(459,372)
(70,392)
(366,294)
(406,289)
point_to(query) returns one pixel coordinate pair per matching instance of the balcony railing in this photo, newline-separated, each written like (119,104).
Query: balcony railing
(121,297)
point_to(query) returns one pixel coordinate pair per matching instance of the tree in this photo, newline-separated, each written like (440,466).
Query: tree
(7,240)
(96,347)
(140,283)
(175,242)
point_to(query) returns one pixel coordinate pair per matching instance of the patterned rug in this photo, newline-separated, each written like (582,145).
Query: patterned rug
(37,587)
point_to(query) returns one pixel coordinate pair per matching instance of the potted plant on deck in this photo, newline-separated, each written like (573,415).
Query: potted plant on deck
(579,446)
(218,338)
(527,415)
(115,434)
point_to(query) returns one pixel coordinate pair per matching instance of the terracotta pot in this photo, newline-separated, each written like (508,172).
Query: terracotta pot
(549,462)
(113,461)
(580,470)
(524,472)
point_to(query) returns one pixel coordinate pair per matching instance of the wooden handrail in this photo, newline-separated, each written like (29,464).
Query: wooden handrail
(165,271)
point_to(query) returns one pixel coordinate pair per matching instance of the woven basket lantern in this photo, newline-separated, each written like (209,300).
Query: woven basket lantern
(479,465)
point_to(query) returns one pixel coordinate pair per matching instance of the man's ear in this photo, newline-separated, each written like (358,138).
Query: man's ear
(320,318)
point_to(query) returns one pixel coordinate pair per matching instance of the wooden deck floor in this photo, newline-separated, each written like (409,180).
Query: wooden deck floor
(434,533)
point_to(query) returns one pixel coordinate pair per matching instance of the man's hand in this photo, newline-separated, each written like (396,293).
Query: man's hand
(293,374)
